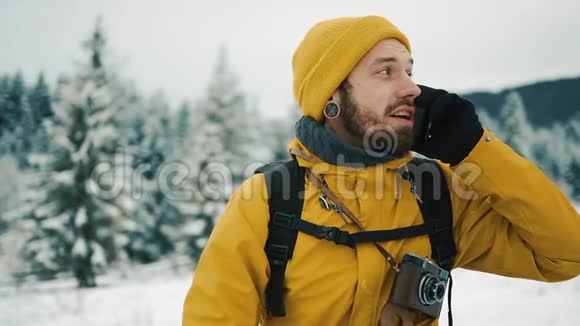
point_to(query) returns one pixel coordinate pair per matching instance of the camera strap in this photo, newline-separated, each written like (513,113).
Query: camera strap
(325,190)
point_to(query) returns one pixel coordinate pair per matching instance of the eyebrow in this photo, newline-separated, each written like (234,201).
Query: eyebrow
(390,59)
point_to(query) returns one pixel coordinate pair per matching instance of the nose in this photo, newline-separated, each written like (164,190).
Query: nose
(408,88)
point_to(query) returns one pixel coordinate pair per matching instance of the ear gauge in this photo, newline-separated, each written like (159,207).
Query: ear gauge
(331,110)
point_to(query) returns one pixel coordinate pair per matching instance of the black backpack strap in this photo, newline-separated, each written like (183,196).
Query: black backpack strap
(428,179)
(330,233)
(340,237)
(394,234)
(285,184)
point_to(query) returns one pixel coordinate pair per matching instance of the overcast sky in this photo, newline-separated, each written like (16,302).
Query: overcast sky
(171,44)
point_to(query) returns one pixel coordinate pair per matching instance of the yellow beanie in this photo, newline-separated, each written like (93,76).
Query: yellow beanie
(329,52)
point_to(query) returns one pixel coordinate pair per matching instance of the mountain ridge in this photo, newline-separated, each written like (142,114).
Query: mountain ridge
(546,102)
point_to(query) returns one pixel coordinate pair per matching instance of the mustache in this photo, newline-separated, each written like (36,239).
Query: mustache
(397,104)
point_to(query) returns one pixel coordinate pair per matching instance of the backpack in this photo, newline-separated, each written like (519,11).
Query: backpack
(285,206)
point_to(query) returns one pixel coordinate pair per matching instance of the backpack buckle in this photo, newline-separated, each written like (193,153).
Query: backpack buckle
(277,254)
(330,233)
(283,220)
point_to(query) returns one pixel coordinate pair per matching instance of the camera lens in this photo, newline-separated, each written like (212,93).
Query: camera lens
(439,291)
(431,289)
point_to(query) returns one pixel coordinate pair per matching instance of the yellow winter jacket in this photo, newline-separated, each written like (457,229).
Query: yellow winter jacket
(519,225)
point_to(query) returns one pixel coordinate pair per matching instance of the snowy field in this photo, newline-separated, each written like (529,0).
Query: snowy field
(478,299)
(151,296)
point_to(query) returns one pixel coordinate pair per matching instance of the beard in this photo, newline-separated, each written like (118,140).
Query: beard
(376,135)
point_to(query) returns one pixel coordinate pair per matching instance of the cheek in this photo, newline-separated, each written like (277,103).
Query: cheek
(372,95)
(376,100)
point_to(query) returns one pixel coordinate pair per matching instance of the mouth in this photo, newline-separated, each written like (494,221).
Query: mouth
(404,113)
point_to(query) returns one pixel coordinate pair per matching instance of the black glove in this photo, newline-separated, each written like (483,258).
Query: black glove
(446,125)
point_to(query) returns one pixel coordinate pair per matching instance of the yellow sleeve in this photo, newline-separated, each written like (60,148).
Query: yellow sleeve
(232,273)
(519,224)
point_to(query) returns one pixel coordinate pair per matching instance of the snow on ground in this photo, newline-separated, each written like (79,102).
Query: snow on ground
(486,299)
(143,300)
(133,303)
(478,299)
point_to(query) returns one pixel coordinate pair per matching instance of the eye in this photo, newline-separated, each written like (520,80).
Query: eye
(385,71)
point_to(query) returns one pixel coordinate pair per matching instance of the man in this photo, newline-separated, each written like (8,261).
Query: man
(353,82)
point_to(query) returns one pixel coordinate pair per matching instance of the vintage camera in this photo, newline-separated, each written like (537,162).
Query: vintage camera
(420,285)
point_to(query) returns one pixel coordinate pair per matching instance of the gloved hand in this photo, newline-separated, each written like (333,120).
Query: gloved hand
(449,129)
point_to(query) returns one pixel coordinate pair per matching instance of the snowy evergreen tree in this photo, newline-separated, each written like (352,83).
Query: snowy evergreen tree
(573,128)
(13,102)
(150,132)
(13,232)
(75,221)
(573,172)
(156,226)
(24,132)
(17,119)
(573,178)
(516,128)
(541,151)
(182,121)
(220,123)
(39,100)
(11,190)
(554,151)
(159,127)
(218,151)
(156,223)
(4,115)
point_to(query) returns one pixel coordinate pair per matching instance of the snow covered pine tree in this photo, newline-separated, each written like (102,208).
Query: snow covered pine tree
(75,227)
(217,151)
